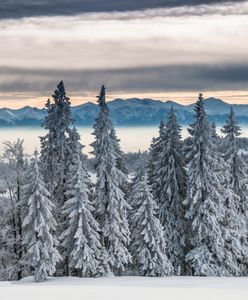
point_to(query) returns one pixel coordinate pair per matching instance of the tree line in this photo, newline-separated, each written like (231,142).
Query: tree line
(184,211)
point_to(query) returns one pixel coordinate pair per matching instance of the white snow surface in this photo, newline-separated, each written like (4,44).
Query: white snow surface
(127,288)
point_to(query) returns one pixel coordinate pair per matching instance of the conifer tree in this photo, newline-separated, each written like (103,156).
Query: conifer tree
(214,134)
(109,199)
(211,236)
(171,191)
(39,225)
(238,179)
(48,158)
(147,246)
(54,145)
(15,161)
(55,153)
(155,149)
(120,161)
(9,258)
(80,238)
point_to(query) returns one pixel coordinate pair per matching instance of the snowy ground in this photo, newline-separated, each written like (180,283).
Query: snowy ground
(127,288)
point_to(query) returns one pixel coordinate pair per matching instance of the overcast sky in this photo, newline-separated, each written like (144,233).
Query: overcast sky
(160,49)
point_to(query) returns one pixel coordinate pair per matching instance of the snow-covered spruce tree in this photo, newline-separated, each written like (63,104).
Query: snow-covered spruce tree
(209,231)
(13,180)
(80,238)
(217,139)
(55,153)
(214,134)
(39,225)
(54,145)
(48,157)
(148,247)
(120,161)
(171,191)
(238,179)
(8,251)
(155,148)
(109,199)
(234,231)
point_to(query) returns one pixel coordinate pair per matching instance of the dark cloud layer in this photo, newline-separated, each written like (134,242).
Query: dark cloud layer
(29,8)
(167,78)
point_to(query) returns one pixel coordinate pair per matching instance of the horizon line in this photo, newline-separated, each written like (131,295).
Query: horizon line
(141,99)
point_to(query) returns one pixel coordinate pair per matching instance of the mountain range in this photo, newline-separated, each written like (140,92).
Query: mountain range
(129,112)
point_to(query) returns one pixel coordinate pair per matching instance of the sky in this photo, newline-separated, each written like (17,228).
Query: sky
(160,49)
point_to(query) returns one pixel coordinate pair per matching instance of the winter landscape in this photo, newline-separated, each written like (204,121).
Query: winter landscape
(123,149)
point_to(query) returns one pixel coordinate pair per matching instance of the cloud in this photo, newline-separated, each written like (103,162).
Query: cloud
(88,43)
(165,78)
(162,48)
(29,8)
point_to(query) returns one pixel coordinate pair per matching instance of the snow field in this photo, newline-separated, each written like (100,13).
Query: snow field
(127,288)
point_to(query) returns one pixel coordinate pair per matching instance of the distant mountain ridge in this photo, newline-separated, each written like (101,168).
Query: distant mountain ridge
(129,112)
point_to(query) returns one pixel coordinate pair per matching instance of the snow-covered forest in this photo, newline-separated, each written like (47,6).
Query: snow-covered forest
(183,211)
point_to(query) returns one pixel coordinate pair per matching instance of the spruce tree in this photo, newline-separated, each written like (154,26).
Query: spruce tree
(120,161)
(39,225)
(238,179)
(80,238)
(54,145)
(214,134)
(171,191)
(206,211)
(55,153)
(153,160)
(48,152)
(9,258)
(147,246)
(15,179)
(109,199)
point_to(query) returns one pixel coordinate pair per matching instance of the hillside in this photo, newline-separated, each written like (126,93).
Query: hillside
(129,112)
